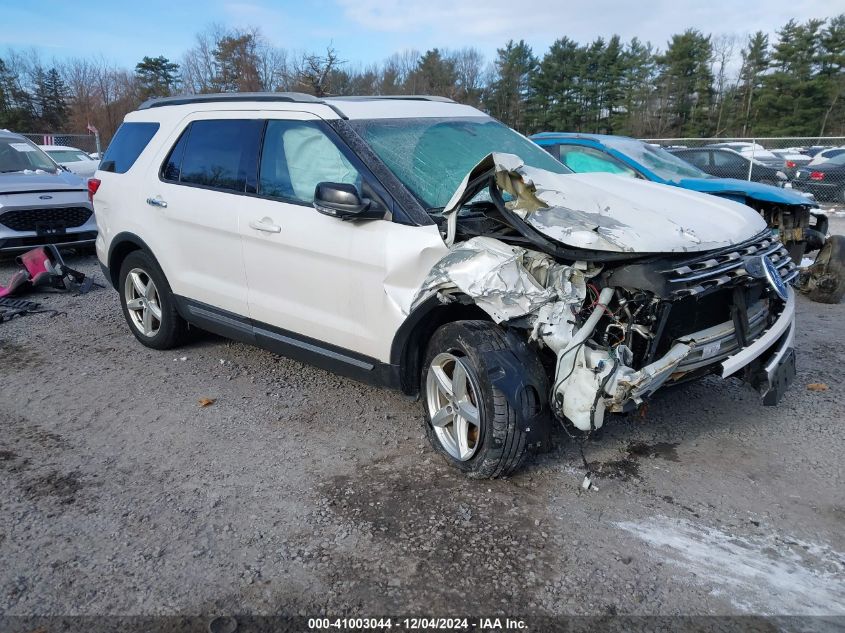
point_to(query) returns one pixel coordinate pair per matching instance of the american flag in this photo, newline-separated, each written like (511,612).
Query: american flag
(49,139)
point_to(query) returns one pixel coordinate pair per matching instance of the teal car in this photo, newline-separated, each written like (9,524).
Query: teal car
(795,216)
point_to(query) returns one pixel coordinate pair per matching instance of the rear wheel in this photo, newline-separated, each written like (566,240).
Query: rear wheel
(148,303)
(469,421)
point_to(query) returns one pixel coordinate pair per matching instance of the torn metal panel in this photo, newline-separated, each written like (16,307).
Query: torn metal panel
(607,212)
(503,280)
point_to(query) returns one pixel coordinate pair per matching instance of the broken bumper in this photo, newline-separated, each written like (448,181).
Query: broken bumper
(775,353)
(770,359)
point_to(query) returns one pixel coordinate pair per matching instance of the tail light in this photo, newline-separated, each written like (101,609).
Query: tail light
(93,185)
(790,164)
(816,175)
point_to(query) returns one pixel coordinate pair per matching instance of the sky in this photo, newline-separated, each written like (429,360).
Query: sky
(365,31)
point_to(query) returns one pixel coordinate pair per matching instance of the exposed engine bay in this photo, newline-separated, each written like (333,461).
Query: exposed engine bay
(612,315)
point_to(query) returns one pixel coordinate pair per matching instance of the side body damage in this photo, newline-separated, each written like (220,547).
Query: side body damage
(615,305)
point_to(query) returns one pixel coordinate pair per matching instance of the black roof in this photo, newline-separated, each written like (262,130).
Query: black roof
(297,97)
(288,97)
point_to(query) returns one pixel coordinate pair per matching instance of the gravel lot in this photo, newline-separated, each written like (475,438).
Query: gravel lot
(297,491)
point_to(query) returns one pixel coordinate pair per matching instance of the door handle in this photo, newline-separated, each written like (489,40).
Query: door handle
(157,202)
(266,225)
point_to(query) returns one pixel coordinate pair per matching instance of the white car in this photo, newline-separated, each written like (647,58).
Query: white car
(419,244)
(754,151)
(826,154)
(793,159)
(74,159)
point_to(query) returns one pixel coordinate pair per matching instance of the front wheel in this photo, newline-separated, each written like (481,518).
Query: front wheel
(824,281)
(468,420)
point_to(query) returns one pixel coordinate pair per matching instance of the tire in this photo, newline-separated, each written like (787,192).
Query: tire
(168,329)
(825,282)
(496,446)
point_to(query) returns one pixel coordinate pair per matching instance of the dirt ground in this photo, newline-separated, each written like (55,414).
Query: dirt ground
(299,492)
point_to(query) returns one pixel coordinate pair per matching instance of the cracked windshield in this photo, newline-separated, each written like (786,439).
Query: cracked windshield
(431,156)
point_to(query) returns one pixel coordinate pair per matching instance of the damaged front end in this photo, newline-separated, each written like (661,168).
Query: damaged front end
(616,305)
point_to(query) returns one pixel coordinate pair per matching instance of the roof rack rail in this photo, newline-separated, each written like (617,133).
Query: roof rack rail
(393,97)
(289,97)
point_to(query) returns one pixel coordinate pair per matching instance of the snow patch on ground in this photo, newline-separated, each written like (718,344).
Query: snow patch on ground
(767,574)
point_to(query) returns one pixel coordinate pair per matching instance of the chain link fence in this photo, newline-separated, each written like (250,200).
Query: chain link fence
(785,161)
(86,142)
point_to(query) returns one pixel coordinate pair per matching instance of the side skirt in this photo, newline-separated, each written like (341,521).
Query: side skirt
(290,344)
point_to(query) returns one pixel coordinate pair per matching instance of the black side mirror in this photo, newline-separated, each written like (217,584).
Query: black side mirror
(341,200)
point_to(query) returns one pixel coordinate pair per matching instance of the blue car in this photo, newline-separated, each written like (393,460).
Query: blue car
(801,226)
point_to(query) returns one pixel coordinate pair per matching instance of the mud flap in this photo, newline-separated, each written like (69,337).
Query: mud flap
(519,375)
(781,378)
(772,382)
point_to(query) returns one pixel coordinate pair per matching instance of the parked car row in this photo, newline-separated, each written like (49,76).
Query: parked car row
(801,225)
(72,158)
(795,167)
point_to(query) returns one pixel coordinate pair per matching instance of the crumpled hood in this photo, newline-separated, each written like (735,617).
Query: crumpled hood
(746,189)
(18,181)
(606,212)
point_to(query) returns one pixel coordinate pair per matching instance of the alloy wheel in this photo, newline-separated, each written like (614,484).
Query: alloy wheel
(143,302)
(453,406)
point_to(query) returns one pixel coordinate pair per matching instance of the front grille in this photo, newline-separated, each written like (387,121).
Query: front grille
(26,243)
(32,219)
(725,267)
(716,343)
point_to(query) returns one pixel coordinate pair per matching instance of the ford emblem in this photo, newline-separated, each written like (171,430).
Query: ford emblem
(773,275)
(761,267)
(45,197)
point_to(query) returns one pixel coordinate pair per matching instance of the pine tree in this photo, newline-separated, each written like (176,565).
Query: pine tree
(636,89)
(50,100)
(157,76)
(17,110)
(435,74)
(792,100)
(686,84)
(755,61)
(510,90)
(553,104)
(832,76)
(236,64)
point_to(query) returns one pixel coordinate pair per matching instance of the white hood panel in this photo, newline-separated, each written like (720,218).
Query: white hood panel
(607,212)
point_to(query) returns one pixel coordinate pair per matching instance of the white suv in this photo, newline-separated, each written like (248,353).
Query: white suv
(418,243)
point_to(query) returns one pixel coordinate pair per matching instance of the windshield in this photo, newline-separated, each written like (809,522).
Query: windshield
(431,156)
(656,159)
(67,155)
(21,156)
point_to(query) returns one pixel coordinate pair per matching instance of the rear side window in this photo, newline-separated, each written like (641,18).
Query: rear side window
(588,160)
(726,159)
(219,154)
(127,145)
(699,159)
